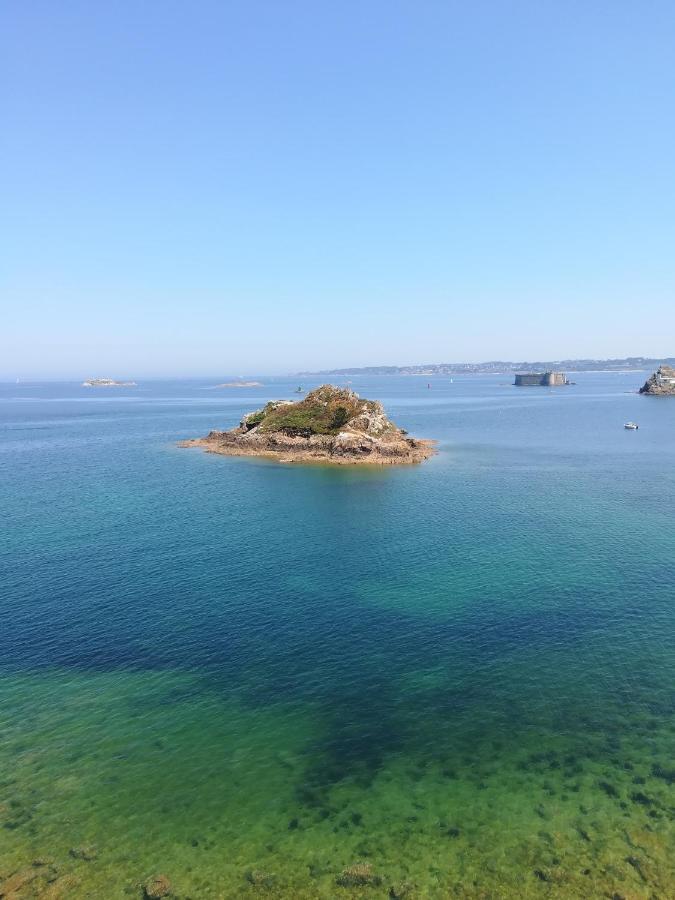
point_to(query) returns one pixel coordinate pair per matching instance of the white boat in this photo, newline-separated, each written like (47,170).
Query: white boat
(631,426)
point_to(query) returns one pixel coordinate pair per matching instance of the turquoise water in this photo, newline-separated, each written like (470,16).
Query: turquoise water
(249,676)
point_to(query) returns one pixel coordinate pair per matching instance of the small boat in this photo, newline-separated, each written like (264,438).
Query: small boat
(631,426)
(298,390)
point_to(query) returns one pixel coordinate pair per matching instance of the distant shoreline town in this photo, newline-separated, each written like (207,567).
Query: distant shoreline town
(501,367)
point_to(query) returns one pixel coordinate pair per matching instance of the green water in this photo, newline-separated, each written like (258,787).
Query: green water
(250,677)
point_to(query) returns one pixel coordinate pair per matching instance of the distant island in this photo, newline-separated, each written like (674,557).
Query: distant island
(330,424)
(501,367)
(107,382)
(239,384)
(661,383)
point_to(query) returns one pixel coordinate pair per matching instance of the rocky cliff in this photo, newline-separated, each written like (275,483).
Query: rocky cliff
(330,424)
(661,383)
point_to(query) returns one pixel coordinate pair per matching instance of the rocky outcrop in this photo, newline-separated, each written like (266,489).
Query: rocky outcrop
(358,875)
(87,852)
(661,383)
(157,887)
(41,879)
(329,425)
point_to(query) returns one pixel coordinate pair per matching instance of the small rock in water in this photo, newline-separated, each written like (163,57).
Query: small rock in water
(60,889)
(260,878)
(552,875)
(358,875)
(17,882)
(316,870)
(87,852)
(404,890)
(156,887)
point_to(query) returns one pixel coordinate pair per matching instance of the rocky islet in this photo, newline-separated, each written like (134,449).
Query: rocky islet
(330,424)
(661,383)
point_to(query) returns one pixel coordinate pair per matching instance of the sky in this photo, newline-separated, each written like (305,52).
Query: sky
(216,187)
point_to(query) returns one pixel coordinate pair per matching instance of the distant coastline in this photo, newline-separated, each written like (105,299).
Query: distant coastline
(501,367)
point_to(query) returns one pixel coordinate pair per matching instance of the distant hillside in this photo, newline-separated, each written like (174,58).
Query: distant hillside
(500,367)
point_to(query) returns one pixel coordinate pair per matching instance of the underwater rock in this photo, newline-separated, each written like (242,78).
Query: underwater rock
(639,867)
(551,875)
(60,889)
(358,875)
(260,878)
(17,882)
(404,890)
(156,887)
(86,852)
(317,870)
(41,874)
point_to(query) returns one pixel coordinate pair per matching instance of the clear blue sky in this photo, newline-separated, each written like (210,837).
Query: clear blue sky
(224,187)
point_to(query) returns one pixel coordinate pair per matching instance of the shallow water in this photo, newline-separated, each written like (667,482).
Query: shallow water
(249,676)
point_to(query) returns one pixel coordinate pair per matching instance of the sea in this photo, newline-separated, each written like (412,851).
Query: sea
(449,680)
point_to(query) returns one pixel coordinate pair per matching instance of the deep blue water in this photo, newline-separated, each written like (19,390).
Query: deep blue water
(349,663)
